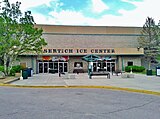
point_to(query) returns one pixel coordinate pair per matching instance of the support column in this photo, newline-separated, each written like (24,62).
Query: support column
(120,63)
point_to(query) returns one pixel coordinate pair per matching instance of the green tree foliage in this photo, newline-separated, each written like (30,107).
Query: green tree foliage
(17,34)
(150,40)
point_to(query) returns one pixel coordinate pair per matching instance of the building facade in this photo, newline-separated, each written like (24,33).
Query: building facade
(67,45)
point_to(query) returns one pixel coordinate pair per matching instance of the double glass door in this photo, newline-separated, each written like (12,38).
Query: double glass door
(43,67)
(107,66)
(110,66)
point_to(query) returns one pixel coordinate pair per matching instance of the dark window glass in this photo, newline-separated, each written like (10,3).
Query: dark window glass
(130,63)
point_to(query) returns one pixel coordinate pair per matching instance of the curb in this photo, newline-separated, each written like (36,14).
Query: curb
(98,87)
(12,80)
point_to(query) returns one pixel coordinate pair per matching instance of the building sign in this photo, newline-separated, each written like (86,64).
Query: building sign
(78,51)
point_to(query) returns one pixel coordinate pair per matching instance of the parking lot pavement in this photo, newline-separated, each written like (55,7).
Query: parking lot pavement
(142,82)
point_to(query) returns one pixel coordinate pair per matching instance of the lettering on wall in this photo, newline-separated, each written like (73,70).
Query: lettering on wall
(79,51)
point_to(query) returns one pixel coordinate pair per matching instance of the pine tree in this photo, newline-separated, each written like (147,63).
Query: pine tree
(150,40)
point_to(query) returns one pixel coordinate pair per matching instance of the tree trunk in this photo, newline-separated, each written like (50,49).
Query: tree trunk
(5,64)
(10,64)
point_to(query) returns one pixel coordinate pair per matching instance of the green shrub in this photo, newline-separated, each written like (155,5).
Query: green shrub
(12,72)
(134,68)
(17,68)
(2,68)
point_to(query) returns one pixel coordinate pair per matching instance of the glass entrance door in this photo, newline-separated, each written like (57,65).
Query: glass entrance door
(45,64)
(94,66)
(55,67)
(61,67)
(40,65)
(113,67)
(43,67)
(65,67)
(108,65)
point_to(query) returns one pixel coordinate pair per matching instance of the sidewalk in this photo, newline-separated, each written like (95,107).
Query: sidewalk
(139,82)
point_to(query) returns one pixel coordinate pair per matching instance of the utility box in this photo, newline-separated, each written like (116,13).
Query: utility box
(149,72)
(25,74)
(158,71)
(30,72)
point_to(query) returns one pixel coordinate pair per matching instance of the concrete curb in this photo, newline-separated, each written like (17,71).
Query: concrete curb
(12,80)
(99,87)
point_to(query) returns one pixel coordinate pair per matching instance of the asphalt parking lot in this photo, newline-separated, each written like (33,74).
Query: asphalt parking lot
(69,103)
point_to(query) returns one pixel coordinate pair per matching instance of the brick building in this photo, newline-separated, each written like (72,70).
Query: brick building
(68,44)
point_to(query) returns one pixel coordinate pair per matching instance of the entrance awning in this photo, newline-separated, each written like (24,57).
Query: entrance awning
(91,58)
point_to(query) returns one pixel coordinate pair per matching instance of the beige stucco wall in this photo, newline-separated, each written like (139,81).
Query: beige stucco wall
(29,60)
(136,60)
(90,41)
(73,59)
(123,61)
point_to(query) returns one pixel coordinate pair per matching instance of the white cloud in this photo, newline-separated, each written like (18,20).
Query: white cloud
(69,18)
(25,4)
(129,18)
(41,19)
(98,6)
(144,9)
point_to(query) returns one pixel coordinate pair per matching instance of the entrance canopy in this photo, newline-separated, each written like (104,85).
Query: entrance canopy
(91,58)
(104,58)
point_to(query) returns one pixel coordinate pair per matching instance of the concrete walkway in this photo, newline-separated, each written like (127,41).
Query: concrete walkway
(140,82)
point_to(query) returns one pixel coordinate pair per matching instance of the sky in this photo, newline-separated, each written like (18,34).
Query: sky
(92,12)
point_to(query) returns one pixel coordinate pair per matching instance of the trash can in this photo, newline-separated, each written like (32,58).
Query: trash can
(158,71)
(30,72)
(149,72)
(25,73)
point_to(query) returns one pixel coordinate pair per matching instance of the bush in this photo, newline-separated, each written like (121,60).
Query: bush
(134,68)
(12,72)
(17,68)
(2,68)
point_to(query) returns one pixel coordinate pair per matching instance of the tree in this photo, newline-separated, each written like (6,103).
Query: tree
(17,34)
(150,40)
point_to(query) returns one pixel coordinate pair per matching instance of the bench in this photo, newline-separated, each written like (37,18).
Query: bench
(117,72)
(99,74)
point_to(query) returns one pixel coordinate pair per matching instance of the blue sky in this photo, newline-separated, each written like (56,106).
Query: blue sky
(92,12)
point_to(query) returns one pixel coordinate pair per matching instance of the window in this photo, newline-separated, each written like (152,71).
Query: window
(23,65)
(130,63)
(78,64)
